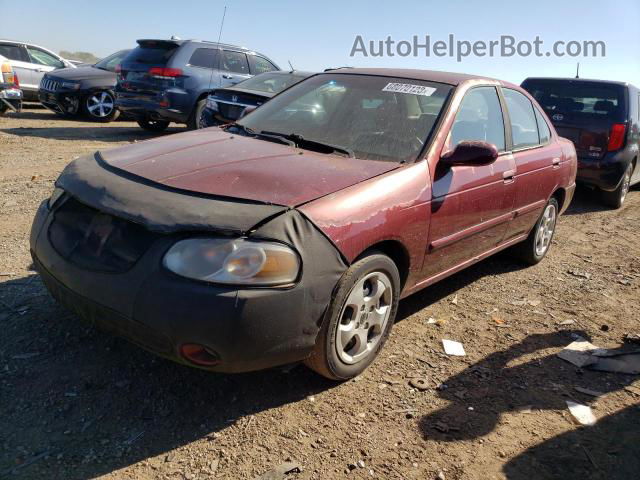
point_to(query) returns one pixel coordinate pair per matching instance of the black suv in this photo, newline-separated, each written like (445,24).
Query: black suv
(163,81)
(602,118)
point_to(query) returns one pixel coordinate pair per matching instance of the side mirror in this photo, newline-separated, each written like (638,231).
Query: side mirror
(472,154)
(247,111)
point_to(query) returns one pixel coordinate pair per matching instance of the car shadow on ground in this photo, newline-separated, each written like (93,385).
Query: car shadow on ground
(78,403)
(512,382)
(98,133)
(608,451)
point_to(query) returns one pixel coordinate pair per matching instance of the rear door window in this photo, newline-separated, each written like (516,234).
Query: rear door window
(234,62)
(479,118)
(543,128)
(204,58)
(13,52)
(569,100)
(524,126)
(260,65)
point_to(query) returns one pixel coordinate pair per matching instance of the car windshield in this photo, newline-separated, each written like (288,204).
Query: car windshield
(376,118)
(578,99)
(109,63)
(271,82)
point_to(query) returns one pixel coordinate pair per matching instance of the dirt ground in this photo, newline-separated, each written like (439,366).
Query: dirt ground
(76,403)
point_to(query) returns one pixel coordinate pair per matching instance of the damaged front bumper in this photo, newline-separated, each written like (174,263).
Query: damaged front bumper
(63,103)
(246,328)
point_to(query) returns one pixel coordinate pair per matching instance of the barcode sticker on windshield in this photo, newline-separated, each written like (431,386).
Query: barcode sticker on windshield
(409,88)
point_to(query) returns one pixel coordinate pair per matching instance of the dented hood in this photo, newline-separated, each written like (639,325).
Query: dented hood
(214,162)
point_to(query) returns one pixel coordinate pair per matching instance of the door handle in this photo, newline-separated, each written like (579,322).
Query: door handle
(509,176)
(556,163)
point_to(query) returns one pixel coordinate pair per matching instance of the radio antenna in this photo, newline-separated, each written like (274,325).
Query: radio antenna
(578,71)
(219,50)
(292,69)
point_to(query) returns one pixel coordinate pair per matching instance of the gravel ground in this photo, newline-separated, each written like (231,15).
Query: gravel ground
(77,403)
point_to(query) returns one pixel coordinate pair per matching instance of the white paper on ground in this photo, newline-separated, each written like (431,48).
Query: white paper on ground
(453,348)
(581,413)
(579,353)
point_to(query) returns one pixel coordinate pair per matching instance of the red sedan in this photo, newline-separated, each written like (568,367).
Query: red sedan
(293,233)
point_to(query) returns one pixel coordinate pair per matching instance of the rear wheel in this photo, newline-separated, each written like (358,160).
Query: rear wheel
(153,125)
(194,121)
(100,107)
(358,320)
(537,244)
(616,198)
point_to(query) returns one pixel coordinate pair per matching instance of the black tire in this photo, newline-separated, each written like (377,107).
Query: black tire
(194,120)
(528,250)
(100,106)
(325,359)
(616,198)
(153,125)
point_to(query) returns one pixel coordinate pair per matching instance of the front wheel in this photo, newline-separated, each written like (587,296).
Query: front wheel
(153,125)
(100,107)
(359,319)
(537,244)
(616,198)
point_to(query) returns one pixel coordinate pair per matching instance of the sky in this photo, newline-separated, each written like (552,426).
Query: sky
(318,35)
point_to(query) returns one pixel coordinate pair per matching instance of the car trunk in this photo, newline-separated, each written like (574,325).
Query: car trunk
(587,113)
(143,73)
(232,102)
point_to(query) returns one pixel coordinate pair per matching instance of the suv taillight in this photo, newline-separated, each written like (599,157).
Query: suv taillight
(617,136)
(16,82)
(163,72)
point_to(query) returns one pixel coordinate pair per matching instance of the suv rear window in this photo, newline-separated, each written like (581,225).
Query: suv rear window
(12,52)
(578,99)
(158,54)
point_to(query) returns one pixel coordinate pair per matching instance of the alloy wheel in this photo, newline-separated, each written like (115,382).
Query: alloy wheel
(100,105)
(547,226)
(626,184)
(364,317)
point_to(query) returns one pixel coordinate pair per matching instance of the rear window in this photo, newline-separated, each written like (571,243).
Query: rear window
(271,82)
(151,54)
(577,99)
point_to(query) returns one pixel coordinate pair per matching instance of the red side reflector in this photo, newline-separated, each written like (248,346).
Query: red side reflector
(199,355)
(617,136)
(165,72)
(16,82)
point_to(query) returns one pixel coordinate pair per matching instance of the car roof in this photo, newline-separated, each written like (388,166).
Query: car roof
(450,78)
(298,73)
(191,40)
(579,80)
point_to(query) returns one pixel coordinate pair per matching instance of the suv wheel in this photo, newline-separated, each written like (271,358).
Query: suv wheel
(194,122)
(100,107)
(359,319)
(153,125)
(616,198)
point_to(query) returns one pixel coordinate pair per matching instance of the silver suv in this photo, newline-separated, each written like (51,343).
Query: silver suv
(30,62)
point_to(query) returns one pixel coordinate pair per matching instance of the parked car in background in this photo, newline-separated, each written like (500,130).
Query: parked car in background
(87,90)
(602,118)
(31,62)
(293,233)
(226,105)
(10,93)
(163,81)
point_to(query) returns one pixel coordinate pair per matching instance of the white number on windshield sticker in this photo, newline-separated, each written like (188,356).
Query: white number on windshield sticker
(409,88)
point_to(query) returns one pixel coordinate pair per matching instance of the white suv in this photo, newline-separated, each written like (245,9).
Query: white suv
(31,62)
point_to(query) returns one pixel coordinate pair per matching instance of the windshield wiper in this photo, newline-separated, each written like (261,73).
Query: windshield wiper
(266,135)
(299,140)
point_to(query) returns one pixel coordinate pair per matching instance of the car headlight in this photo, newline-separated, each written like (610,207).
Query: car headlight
(212,104)
(55,196)
(233,262)
(70,85)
